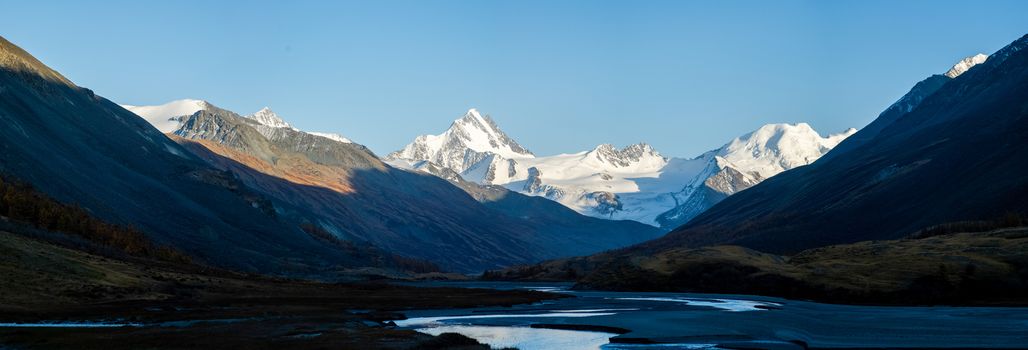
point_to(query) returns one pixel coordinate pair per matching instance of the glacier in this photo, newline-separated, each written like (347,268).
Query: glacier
(631,183)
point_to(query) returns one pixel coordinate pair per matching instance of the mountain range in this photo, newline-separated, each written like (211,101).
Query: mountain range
(252,193)
(918,204)
(341,190)
(634,183)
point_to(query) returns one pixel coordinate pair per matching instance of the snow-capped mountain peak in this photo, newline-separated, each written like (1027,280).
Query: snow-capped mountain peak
(634,182)
(966,64)
(480,133)
(167,117)
(331,136)
(774,148)
(267,117)
(473,117)
(470,139)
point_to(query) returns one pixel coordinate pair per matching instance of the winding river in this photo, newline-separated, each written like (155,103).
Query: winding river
(635,320)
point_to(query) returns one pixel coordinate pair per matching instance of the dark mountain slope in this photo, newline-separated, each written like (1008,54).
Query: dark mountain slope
(418,214)
(273,200)
(346,191)
(904,105)
(576,233)
(960,154)
(84,150)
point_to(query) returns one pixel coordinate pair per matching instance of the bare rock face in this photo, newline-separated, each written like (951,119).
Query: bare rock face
(534,183)
(625,157)
(605,202)
(729,181)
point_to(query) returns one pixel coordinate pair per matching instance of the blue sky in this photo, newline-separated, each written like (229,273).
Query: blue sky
(558,76)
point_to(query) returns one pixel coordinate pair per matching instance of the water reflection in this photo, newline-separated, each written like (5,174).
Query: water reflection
(699,321)
(68,325)
(732,305)
(417,321)
(525,338)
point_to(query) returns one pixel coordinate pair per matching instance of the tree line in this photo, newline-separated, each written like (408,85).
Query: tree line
(20,202)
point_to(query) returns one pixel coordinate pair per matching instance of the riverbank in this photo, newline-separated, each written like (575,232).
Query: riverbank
(180,307)
(981,268)
(649,320)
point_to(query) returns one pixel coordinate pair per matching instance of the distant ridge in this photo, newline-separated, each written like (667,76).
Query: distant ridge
(341,189)
(634,182)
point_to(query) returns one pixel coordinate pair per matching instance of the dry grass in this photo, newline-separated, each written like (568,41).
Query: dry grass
(960,268)
(293,168)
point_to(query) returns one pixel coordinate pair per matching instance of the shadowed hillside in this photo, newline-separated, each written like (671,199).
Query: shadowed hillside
(345,190)
(955,268)
(88,152)
(957,155)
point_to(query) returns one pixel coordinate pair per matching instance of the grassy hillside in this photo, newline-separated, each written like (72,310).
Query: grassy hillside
(956,268)
(964,268)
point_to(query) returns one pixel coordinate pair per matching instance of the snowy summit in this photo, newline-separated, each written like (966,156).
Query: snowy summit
(168,117)
(331,136)
(966,64)
(634,183)
(266,117)
(469,140)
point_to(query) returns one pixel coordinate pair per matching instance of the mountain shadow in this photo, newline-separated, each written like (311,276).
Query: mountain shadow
(88,152)
(344,189)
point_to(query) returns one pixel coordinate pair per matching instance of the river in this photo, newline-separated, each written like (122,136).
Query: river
(636,320)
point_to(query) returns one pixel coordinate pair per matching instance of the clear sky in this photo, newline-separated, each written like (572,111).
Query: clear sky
(558,76)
